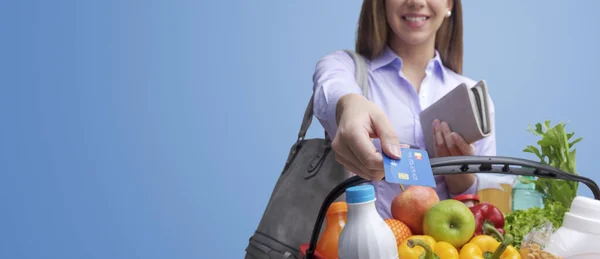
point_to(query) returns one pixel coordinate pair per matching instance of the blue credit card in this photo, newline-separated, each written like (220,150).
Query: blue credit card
(413,168)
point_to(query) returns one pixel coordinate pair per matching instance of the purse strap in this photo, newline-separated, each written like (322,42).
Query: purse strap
(362,79)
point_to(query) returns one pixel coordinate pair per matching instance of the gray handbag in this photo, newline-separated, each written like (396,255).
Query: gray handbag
(309,175)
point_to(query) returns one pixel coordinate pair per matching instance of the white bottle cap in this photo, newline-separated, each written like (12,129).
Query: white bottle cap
(584,215)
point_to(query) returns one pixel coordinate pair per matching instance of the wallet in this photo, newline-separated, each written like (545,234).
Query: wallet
(465,109)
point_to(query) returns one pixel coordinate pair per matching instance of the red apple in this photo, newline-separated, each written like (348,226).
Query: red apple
(411,205)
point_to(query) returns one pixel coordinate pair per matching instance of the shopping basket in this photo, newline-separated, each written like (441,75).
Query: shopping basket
(458,165)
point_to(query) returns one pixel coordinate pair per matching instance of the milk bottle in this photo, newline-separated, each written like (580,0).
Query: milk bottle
(365,235)
(579,235)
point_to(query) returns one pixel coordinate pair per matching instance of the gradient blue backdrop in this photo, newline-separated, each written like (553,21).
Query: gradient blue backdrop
(157,129)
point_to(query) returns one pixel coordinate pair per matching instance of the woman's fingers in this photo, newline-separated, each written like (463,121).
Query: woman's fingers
(349,165)
(346,157)
(365,151)
(359,121)
(465,148)
(384,130)
(438,140)
(453,148)
(448,143)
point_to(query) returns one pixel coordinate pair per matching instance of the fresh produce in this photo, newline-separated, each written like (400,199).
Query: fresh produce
(555,150)
(518,223)
(486,212)
(425,247)
(450,221)
(534,251)
(401,230)
(446,250)
(404,251)
(468,199)
(488,247)
(535,240)
(411,205)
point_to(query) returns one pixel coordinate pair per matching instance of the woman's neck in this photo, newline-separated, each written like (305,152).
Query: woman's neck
(414,57)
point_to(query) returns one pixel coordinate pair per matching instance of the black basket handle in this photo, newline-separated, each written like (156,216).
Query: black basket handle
(461,165)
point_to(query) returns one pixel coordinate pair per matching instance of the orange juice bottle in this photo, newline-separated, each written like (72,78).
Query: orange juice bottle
(335,220)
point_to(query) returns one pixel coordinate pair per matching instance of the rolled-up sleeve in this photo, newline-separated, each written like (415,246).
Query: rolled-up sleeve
(332,79)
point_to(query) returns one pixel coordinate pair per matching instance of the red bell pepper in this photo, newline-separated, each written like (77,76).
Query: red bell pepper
(486,212)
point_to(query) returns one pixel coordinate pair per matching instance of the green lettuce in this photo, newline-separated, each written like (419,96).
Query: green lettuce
(555,150)
(518,223)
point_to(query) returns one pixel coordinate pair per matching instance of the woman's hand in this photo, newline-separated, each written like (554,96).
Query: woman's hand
(359,121)
(448,143)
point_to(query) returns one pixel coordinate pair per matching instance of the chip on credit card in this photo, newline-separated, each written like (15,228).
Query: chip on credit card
(413,168)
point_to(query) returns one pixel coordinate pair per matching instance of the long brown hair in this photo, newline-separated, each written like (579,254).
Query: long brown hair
(373,31)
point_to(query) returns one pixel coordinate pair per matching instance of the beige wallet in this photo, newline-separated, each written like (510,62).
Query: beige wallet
(465,109)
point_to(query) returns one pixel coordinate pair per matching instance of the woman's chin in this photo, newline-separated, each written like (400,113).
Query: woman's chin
(415,39)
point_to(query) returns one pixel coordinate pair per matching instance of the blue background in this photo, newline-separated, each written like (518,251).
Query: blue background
(157,129)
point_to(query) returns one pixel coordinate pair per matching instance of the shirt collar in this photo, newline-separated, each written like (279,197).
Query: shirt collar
(389,57)
(438,66)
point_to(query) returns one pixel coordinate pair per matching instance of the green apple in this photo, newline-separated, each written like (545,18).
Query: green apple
(450,221)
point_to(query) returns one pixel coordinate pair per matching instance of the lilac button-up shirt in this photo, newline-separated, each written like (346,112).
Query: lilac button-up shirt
(395,95)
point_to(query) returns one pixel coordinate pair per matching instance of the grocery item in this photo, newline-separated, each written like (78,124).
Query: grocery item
(578,236)
(334,224)
(469,200)
(365,235)
(446,250)
(535,241)
(534,251)
(450,221)
(519,223)
(555,149)
(411,205)
(524,194)
(488,247)
(485,212)
(401,230)
(496,189)
(424,247)
(404,251)
(316,254)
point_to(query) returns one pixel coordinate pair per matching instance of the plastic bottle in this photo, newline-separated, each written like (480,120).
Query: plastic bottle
(334,224)
(365,235)
(525,196)
(578,236)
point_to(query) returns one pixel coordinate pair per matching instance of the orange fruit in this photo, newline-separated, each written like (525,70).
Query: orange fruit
(401,230)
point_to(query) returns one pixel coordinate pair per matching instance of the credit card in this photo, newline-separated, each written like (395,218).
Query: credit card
(413,168)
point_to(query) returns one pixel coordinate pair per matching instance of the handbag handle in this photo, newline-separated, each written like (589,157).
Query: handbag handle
(460,165)
(362,79)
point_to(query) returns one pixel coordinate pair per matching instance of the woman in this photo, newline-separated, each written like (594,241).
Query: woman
(414,52)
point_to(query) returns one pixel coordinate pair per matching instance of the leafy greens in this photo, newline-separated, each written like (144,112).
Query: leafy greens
(518,223)
(555,150)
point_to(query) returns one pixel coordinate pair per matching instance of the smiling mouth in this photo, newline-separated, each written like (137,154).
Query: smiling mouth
(415,18)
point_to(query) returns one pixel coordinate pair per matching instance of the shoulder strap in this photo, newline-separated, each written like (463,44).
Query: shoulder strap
(361,74)
(362,79)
